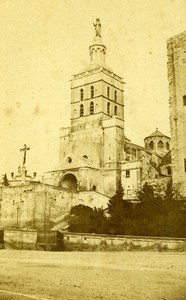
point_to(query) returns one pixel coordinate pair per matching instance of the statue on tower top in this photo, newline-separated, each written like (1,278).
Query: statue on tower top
(97,27)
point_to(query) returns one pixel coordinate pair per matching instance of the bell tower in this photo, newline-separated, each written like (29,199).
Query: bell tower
(96,92)
(92,147)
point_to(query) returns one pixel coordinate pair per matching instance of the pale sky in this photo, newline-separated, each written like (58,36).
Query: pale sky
(44,42)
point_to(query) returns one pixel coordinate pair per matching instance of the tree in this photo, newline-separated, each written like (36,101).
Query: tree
(85,219)
(146,193)
(116,199)
(148,211)
(5,180)
(119,211)
(175,217)
(99,221)
(178,192)
(169,192)
(81,218)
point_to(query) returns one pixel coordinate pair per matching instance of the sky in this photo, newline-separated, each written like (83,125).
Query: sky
(44,42)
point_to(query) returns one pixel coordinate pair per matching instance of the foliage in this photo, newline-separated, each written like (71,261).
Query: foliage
(85,219)
(169,192)
(157,216)
(81,218)
(5,180)
(119,211)
(99,221)
(153,215)
(146,193)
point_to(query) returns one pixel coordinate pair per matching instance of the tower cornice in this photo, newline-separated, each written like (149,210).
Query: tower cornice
(95,70)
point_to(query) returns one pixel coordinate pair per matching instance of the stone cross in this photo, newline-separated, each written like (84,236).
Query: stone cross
(24,149)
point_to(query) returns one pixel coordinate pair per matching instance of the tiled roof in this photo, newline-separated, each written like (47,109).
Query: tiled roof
(157,133)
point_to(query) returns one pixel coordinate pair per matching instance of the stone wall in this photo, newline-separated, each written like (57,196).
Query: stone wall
(20,239)
(38,205)
(27,239)
(176,49)
(84,241)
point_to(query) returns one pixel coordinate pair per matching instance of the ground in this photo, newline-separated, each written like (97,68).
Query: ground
(92,275)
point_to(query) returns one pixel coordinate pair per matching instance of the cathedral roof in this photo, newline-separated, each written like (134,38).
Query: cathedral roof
(166,160)
(156,133)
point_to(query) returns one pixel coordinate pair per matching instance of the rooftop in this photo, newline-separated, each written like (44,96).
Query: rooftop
(157,133)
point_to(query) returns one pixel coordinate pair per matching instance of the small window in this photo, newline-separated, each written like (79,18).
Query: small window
(69,160)
(133,151)
(160,144)
(169,170)
(108,108)
(167,146)
(115,110)
(129,193)
(92,91)
(94,188)
(151,145)
(85,156)
(185,164)
(81,94)
(184,100)
(108,92)
(91,108)
(127,173)
(81,110)
(115,95)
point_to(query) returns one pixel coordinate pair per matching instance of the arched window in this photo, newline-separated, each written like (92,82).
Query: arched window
(169,171)
(108,108)
(167,146)
(91,108)
(81,110)
(81,94)
(108,92)
(115,110)
(115,95)
(134,153)
(69,160)
(92,91)
(160,144)
(151,145)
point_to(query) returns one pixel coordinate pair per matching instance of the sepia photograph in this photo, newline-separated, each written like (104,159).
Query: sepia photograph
(93,149)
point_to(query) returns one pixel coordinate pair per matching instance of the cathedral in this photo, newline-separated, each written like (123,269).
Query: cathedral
(94,154)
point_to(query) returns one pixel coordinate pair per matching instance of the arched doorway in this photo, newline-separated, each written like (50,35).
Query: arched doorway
(69,181)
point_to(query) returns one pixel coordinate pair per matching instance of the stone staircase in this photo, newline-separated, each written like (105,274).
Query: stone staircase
(60,221)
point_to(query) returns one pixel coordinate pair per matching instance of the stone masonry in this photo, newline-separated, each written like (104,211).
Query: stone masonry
(176,47)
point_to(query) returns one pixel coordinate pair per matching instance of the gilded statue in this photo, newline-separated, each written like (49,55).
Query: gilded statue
(97,27)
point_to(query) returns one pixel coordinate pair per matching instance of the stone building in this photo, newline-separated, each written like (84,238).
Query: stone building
(176,50)
(94,151)
(94,154)
(158,142)
(91,150)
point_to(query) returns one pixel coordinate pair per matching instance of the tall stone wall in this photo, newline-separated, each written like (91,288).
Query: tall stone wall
(176,47)
(42,206)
